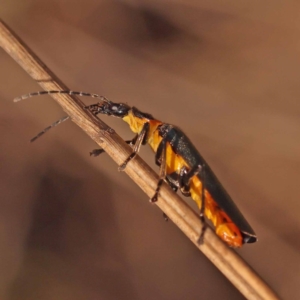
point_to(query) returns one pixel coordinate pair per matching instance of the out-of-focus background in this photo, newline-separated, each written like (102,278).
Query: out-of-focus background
(72,226)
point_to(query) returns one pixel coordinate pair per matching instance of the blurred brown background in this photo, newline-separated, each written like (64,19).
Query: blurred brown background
(73,227)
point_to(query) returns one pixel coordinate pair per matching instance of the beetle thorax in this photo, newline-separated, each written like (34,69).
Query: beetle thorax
(136,124)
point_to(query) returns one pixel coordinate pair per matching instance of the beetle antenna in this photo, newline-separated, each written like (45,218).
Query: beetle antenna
(23,97)
(65,118)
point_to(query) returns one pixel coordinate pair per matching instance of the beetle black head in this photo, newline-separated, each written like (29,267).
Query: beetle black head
(109,108)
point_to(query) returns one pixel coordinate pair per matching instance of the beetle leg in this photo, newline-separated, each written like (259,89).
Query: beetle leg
(186,177)
(172,179)
(184,181)
(161,158)
(140,139)
(97,152)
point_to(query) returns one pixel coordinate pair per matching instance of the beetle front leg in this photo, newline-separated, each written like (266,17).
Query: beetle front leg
(140,140)
(97,152)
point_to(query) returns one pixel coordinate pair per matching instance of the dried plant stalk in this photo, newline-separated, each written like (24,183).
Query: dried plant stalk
(242,276)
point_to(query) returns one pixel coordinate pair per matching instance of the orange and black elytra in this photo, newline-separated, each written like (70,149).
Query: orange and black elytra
(181,166)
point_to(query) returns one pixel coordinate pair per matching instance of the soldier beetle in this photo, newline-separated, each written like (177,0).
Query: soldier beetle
(181,166)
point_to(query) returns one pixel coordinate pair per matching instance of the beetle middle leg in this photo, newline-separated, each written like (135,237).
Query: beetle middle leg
(185,182)
(160,159)
(172,181)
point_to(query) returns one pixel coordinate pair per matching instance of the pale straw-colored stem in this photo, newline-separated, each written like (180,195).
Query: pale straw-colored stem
(225,259)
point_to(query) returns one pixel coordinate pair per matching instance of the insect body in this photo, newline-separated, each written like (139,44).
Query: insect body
(181,165)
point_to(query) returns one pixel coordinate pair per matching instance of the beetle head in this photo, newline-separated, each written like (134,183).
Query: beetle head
(109,108)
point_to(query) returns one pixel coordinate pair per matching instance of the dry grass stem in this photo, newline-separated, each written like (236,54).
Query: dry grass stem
(225,259)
